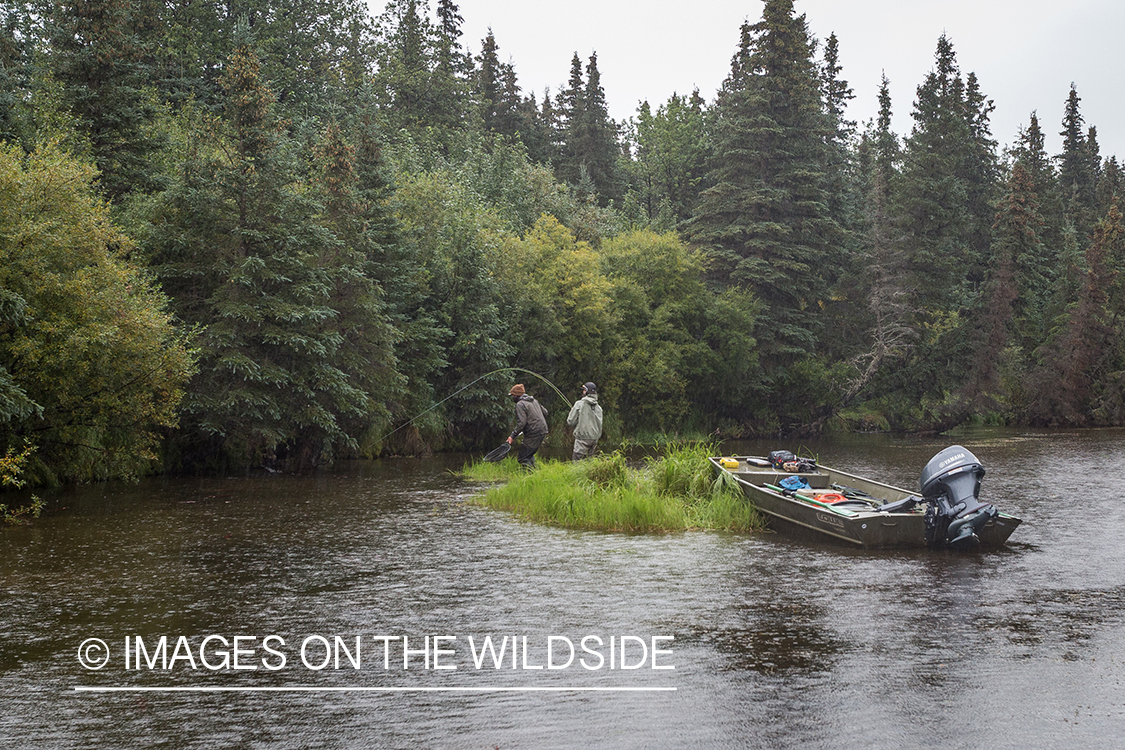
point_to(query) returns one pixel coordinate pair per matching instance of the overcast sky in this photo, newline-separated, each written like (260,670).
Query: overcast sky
(1026,53)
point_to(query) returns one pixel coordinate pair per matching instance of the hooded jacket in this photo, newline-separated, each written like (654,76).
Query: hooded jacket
(586,417)
(531,417)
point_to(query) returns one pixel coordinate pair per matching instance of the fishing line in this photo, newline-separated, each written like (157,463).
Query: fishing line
(482,377)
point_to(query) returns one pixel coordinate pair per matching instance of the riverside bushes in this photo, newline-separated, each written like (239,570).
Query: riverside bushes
(674,492)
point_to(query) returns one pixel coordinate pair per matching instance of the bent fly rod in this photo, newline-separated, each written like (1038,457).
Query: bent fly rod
(469,385)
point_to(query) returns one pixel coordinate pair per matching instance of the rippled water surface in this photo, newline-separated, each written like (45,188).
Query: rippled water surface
(777,643)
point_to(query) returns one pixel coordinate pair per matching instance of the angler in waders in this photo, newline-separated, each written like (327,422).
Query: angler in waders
(531,420)
(586,419)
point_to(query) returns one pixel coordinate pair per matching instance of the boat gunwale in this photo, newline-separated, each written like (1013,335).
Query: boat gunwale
(867,513)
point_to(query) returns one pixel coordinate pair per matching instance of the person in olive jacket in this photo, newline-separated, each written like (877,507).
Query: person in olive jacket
(586,419)
(531,420)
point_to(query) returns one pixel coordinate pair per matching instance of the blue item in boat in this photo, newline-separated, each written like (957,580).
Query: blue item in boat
(794,483)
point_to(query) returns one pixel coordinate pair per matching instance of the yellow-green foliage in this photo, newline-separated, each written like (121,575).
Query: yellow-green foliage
(679,347)
(89,360)
(11,466)
(673,493)
(563,311)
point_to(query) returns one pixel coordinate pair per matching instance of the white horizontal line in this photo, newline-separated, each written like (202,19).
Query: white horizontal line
(314,689)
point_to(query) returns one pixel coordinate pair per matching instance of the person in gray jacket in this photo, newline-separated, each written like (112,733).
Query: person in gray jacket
(531,420)
(586,419)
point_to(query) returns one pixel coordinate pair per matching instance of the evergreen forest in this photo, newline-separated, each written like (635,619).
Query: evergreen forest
(238,234)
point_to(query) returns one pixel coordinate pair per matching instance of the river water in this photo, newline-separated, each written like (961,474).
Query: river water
(719,640)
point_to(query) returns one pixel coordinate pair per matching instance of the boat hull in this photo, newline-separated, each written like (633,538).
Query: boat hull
(869,528)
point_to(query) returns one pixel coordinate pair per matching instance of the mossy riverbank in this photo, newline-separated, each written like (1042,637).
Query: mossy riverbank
(677,491)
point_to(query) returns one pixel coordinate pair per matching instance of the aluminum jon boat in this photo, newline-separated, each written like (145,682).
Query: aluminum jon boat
(800,494)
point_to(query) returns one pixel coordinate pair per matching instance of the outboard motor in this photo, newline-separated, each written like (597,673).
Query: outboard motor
(950,484)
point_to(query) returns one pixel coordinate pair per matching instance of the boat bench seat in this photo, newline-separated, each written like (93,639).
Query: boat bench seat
(816,480)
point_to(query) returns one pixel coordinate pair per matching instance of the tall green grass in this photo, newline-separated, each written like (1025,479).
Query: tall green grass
(674,492)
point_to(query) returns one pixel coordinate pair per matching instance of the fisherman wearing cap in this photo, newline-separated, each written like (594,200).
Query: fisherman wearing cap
(531,420)
(586,419)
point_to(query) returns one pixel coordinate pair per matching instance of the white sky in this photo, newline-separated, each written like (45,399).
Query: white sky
(1025,53)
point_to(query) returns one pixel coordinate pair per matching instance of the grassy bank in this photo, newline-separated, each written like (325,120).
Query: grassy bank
(675,492)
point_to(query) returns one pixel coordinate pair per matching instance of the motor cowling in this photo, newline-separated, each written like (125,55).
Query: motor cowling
(950,483)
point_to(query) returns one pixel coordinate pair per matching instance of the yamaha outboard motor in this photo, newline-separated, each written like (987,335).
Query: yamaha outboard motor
(950,484)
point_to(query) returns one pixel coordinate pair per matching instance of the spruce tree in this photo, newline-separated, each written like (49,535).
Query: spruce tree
(588,152)
(419,336)
(1111,185)
(886,146)
(535,132)
(503,111)
(489,85)
(1077,175)
(935,199)
(1030,151)
(549,122)
(16,45)
(352,258)
(839,166)
(513,122)
(1076,383)
(451,242)
(452,60)
(766,222)
(410,64)
(101,51)
(570,113)
(423,86)
(1094,157)
(293,344)
(845,203)
(879,273)
(980,172)
(942,203)
(451,79)
(316,54)
(1037,262)
(1016,292)
(837,93)
(1108,403)
(597,144)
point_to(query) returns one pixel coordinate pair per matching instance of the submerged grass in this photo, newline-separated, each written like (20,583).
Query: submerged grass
(675,492)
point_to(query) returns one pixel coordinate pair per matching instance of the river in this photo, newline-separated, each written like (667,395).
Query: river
(700,639)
